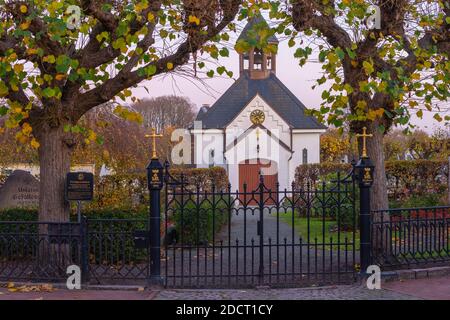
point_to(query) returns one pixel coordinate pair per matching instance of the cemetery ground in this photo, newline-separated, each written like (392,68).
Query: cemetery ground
(435,288)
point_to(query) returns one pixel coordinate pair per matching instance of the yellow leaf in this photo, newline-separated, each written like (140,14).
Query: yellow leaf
(194,19)
(413,103)
(92,135)
(361,104)
(18,68)
(25,25)
(34,144)
(26,128)
(60,77)
(32,51)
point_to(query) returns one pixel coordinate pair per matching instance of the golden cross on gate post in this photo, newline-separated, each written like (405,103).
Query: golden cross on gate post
(364,135)
(154,136)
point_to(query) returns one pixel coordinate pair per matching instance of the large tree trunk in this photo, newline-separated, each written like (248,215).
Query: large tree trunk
(379,195)
(54,242)
(54,160)
(381,235)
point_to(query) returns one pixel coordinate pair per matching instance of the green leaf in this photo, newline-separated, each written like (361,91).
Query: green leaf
(150,70)
(220,70)
(224,52)
(322,56)
(48,92)
(340,53)
(3,111)
(368,67)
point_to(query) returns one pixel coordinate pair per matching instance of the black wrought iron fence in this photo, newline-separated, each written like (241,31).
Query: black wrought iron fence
(261,236)
(106,251)
(409,237)
(117,250)
(37,250)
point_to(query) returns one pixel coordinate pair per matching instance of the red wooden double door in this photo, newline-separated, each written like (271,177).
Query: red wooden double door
(250,172)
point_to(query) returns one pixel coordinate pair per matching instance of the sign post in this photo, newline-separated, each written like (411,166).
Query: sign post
(155,184)
(364,170)
(80,187)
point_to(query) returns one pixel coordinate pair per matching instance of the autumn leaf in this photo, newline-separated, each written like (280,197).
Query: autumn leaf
(194,19)
(34,144)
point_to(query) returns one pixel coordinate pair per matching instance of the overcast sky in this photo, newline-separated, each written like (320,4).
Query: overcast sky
(298,79)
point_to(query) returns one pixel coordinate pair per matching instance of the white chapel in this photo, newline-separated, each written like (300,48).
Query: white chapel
(258,126)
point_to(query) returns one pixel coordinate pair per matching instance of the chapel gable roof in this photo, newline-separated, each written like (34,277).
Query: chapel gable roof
(272,90)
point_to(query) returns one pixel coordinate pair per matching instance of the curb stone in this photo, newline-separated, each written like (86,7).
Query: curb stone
(409,274)
(83,287)
(388,276)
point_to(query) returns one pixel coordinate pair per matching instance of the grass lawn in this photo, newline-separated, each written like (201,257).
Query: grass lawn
(317,231)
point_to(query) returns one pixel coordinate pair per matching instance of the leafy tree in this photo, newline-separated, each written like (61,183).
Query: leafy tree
(334,146)
(434,147)
(60,59)
(395,145)
(166,111)
(376,77)
(12,152)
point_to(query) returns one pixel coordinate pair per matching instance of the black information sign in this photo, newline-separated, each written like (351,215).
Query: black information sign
(79,186)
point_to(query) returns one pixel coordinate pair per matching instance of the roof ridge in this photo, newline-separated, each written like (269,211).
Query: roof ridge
(292,95)
(214,105)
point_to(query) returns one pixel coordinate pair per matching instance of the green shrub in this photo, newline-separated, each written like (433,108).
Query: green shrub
(407,179)
(110,241)
(196,225)
(422,201)
(32,214)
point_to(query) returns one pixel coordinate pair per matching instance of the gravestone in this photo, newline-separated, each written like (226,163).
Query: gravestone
(21,190)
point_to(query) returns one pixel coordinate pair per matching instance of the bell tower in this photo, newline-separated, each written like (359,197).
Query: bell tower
(256,63)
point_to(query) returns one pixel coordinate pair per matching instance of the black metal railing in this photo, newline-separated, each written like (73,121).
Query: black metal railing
(262,236)
(410,237)
(106,251)
(117,250)
(37,250)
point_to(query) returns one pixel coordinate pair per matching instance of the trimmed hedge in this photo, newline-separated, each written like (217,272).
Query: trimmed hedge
(32,214)
(402,175)
(130,191)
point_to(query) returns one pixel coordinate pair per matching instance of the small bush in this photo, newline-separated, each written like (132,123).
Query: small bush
(423,201)
(197,225)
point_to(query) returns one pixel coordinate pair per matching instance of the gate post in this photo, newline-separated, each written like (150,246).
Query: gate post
(155,184)
(261,228)
(84,249)
(363,172)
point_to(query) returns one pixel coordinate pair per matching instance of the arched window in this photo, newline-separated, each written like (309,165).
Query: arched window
(305,156)
(211,157)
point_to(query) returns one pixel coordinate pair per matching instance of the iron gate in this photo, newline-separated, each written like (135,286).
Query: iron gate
(223,238)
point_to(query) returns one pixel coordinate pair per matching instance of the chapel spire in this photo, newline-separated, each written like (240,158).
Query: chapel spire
(257,63)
